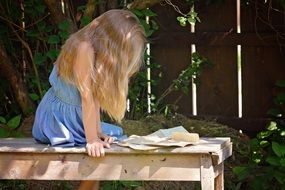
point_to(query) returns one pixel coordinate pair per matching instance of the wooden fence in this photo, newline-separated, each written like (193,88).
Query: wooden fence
(216,38)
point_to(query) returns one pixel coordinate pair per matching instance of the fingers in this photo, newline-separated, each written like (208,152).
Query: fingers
(106,145)
(96,149)
(97,152)
(110,140)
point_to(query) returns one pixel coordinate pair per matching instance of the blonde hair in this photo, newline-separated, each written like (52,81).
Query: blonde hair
(118,41)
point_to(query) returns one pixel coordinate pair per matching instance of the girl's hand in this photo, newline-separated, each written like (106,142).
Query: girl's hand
(95,148)
(106,138)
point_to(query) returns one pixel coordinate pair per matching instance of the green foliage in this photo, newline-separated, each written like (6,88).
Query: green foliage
(266,168)
(191,18)
(122,185)
(9,128)
(182,82)
(150,27)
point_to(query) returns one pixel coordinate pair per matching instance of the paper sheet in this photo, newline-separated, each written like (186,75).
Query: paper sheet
(158,139)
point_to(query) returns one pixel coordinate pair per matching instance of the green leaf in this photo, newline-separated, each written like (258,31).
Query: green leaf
(272,126)
(148,33)
(63,34)
(148,12)
(198,19)
(85,20)
(53,39)
(145,25)
(282,162)
(138,13)
(273,160)
(191,20)
(2,120)
(278,149)
(34,96)
(241,172)
(264,134)
(264,143)
(182,20)
(52,54)
(280,83)
(39,58)
(14,122)
(3,133)
(64,25)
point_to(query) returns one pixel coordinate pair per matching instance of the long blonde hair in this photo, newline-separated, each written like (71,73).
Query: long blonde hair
(118,41)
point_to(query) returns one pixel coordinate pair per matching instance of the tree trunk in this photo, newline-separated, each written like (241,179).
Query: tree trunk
(13,76)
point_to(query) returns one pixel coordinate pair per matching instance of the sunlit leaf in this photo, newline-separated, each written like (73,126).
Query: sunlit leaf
(272,126)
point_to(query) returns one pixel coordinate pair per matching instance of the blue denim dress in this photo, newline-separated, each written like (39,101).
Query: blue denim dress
(58,119)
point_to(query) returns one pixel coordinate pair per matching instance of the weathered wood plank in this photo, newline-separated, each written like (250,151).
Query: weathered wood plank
(111,167)
(221,155)
(205,145)
(207,173)
(219,180)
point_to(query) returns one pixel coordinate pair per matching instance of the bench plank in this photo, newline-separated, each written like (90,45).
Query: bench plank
(205,145)
(111,167)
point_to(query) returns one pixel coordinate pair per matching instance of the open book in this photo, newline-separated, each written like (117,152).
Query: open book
(158,139)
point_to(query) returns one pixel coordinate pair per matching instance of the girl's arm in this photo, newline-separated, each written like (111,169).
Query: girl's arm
(90,108)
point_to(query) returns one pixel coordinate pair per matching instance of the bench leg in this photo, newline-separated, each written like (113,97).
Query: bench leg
(219,180)
(89,185)
(207,173)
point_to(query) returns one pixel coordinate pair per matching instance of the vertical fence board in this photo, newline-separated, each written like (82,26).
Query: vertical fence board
(261,65)
(218,92)
(172,53)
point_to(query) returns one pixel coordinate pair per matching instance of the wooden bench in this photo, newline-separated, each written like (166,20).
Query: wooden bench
(26,159)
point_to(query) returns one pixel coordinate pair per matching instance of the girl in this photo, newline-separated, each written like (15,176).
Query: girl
(91,73)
